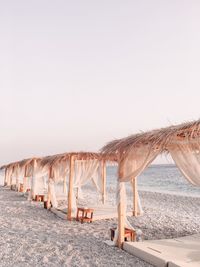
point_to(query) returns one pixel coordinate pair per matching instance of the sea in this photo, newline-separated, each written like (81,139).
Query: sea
(165,178)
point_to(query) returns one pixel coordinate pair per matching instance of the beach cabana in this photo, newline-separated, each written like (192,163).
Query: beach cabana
(71,171)
(34,176)
(27,173)
(2,175)
(136,152)
(12,175)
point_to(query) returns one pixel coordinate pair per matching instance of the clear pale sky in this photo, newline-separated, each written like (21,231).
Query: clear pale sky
(77,74)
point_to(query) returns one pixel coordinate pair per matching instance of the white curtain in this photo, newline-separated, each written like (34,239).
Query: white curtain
(51,188)
(134,163)
(38,176)
(8,177)
(131,166)
(17,176)
(186,155)
(60,171)
(121,198)
(2,177)
(97,180)
(85,170)
(60,174)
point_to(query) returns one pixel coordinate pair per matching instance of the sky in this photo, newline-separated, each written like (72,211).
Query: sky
(75,75)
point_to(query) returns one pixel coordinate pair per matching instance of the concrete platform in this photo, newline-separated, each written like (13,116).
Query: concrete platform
(177,252)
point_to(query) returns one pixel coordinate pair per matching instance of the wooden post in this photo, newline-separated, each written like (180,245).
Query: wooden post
(135,197)
(25,180)
(103,166)
(70,190)
(49,193)
(5,177)
(10,178)
(24,184)
(121,215)
(33,180)
(17,180)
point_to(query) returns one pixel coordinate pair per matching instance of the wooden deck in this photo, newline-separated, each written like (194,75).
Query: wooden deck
(101,212)
(177,252)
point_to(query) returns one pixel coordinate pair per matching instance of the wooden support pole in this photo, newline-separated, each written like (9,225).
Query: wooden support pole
(49,192)
(17,179)
(5,177)
(24,184)
(104,181)
(33,180)
(70,190)
(10,178)
(121,215)
(135,197)
(25,180)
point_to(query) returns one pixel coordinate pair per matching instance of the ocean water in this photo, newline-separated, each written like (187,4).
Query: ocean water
(156,178)
(159,178)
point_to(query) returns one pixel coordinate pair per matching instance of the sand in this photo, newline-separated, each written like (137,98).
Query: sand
(33,236)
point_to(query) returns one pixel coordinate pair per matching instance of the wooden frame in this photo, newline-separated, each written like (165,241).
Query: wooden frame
(103,171)
(121,214)
(70,191)
(135,197)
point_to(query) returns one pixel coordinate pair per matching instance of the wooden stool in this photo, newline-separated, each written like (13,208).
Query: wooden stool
(21,188)
(46,205)
(39,198)
(13,187)
(129,235)
(84,216)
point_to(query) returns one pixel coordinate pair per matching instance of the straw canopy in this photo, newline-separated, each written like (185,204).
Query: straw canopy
(53,160)
(21,164)
(159,139)
(50,161)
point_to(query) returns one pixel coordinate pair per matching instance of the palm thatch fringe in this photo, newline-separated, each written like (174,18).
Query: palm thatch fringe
(50,161)
(158,139)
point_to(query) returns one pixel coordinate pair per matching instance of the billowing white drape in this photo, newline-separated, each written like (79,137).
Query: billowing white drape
(134,164)
(59,174)
(8,179)
(131,166)
(39,176)
(97,180)
(51,188)
(84,172)
(136,161)
(186,155)
(17,176)
(121,198)
(60,171)
(2,177)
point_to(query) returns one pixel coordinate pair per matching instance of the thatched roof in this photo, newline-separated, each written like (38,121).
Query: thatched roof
(52,160)
(160,138)
(3,167)
(21,164)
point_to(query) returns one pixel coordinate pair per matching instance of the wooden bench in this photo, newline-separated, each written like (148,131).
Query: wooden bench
(86,215)
(129,234)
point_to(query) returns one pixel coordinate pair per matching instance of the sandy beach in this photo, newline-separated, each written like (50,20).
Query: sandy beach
(33,236)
